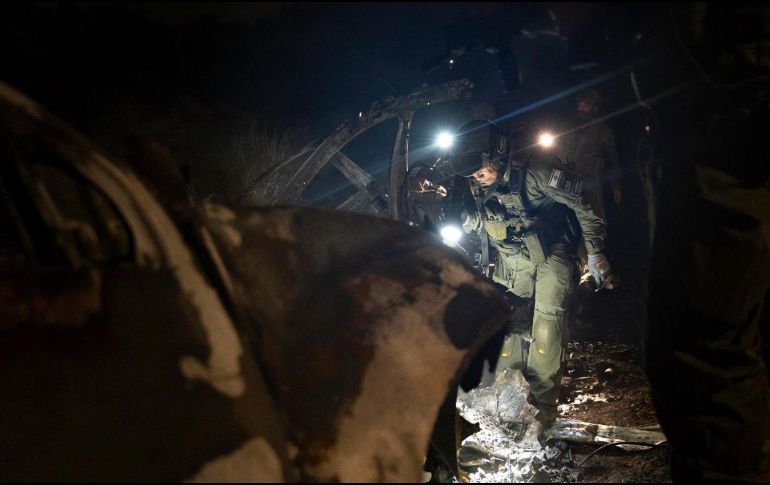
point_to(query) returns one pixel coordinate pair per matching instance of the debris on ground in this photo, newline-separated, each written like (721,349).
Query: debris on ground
(622,442)
(507,446)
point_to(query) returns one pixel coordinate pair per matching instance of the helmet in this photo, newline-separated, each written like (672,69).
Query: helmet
(478,143)
(590,96)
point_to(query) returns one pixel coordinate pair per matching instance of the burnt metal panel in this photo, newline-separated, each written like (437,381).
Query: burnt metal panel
(357,331)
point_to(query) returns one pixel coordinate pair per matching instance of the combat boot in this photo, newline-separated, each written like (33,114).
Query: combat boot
(546,416)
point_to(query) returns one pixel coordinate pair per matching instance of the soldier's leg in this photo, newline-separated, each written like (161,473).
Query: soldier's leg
(519,334)
(553,286)
(517,274)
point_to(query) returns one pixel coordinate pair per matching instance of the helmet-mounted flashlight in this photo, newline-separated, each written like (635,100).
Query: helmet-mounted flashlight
(445,140)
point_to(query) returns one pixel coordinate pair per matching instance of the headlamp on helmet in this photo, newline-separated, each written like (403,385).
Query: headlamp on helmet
(477,143)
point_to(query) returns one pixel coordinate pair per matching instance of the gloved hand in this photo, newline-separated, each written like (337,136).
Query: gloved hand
(599,266)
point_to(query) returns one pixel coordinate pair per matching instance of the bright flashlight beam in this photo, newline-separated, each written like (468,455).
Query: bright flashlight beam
(451,235)
(445,140)
(546,140)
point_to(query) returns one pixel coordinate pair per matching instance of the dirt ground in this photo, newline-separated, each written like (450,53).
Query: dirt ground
(605,384)
(605,381)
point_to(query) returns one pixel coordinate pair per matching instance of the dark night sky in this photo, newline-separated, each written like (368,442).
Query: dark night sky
(281,62)
(191,75)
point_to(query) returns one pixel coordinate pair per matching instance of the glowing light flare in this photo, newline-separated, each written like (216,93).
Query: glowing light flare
(546,140)
(451,235)
(445,140)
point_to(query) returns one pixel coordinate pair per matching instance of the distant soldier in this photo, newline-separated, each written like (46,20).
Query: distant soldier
(588,148)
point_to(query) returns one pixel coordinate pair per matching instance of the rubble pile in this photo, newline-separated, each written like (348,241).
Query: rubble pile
(506,447)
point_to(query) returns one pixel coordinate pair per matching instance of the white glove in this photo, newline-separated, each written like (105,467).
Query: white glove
(599,266)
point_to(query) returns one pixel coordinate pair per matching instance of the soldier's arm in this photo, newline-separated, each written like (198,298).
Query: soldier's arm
(566,188)
(470,215)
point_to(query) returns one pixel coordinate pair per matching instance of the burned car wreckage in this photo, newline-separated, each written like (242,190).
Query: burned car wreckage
(214,344)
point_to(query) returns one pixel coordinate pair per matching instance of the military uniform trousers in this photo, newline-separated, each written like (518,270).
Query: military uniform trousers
(552,284)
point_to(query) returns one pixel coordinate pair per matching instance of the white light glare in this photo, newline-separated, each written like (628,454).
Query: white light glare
(546,140)
(451,235)
(445,140)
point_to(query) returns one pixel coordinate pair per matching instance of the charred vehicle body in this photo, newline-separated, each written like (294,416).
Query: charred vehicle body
(220,344)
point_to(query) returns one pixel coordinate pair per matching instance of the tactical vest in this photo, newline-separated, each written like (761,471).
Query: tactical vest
(510,222)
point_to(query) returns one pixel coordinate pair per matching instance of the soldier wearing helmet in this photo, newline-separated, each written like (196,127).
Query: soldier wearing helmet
(588,102)
(589,149)
(533,217)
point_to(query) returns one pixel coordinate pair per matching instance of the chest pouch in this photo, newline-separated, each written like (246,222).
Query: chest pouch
(529,234)
(496,228)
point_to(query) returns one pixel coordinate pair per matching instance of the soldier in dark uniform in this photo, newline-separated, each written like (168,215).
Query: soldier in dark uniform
(710,267)
(588,148)
(591,151)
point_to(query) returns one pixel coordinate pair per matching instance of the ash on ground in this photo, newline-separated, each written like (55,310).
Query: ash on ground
(604,384)
(506,447)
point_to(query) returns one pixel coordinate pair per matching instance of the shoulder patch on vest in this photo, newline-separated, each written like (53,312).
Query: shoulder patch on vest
(565,182)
